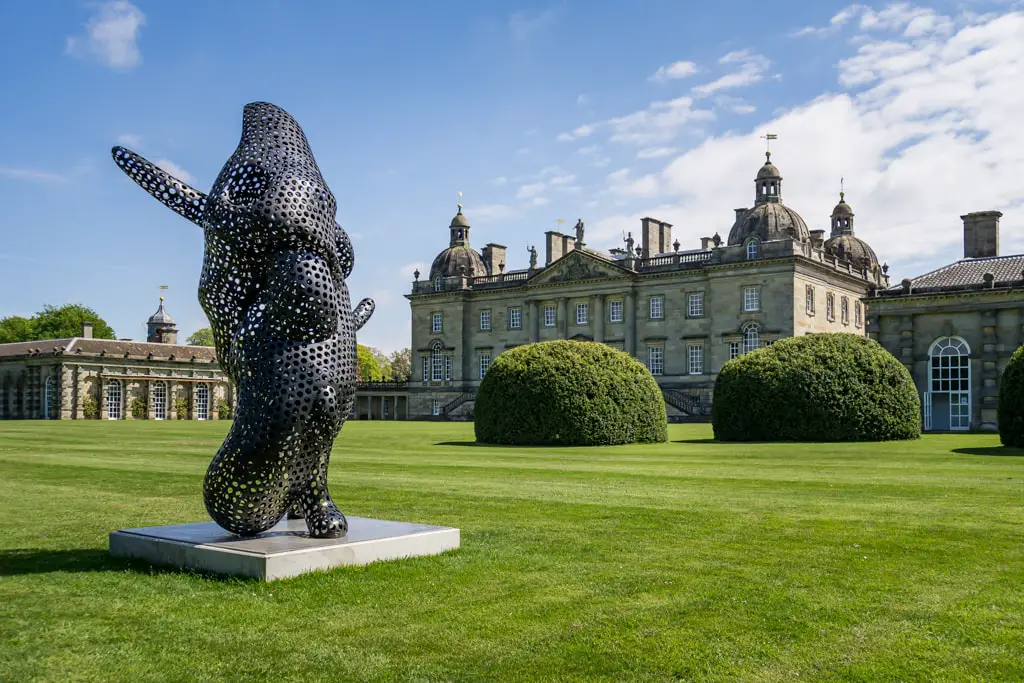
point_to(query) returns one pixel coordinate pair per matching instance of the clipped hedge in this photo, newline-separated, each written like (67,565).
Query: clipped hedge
(819,387)
(568,393)
(1011,401)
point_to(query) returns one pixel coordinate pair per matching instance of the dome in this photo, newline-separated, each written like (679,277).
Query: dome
(459,221)
(768,171)
(769,221)
(452,260)
(842,208)
(848,247)
(161,317)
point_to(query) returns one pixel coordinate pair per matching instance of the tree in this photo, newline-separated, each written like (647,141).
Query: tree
(15,328)
(54,322)
(401,365)
(384,363)
(367,365)
(201,337)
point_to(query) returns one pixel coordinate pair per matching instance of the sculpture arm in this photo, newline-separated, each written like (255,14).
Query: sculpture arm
(361,314)
(176,195)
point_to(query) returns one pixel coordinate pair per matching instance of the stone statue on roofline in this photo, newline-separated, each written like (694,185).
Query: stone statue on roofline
(579,233)
(533,257)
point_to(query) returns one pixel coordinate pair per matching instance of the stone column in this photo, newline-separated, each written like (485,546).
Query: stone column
(532,309)
(907,342)
(81,391)
(597,316)
(985,410)
(34,393)
(65,393)
(172,396)
(629,314)
(563,317)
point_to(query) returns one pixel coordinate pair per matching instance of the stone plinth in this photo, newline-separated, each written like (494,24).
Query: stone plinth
(284,551)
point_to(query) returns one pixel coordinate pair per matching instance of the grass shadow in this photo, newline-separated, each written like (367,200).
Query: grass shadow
(707,440)
(25,561)
(1003,451)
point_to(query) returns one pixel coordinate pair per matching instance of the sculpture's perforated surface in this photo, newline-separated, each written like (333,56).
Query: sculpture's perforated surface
(273,287)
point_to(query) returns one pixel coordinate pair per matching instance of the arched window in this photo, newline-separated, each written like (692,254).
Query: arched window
(830,306)
(202,402)
(50,398)
(752,248)
(159,397)
(115,400)
(436,363)
(751,337)
(437,283)
(772,190)
(948,399)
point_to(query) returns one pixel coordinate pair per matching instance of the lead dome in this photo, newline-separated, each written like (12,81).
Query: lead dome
(769,219)
(459,258)
(842,244)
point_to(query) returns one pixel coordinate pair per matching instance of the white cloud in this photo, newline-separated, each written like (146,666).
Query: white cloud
(736,105)
(500,180)
(487,212)
(898,17)
(838,20)
(601,162)
(751,70)
(30,174)
(660,122)
(111,36)
(562,179)
(539,201)
(524,26)
(592,149)
(929,130)
(130,140)
(582,100)
(530,190)
(655,152)
(673,71)
(565,137)
(176,171)
(522,150)
(584,131)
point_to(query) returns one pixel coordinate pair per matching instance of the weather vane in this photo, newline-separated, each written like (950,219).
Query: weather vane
(163,288)
(841,189)
(768,137)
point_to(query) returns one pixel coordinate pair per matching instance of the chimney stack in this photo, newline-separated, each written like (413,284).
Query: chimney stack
(552,247)
(655,237)
(86,330)
(981,234)
(492,255)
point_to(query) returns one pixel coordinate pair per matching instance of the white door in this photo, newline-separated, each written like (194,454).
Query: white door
(202,402)
(927,410)
(114,401)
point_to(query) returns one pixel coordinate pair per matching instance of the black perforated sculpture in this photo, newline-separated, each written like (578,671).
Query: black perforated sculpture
(273,287)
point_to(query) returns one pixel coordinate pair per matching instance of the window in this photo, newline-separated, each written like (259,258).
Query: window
(751,337)
(809,296)
(202,402)
(734,350)
(435,406)
(384,412)
(485,321)
(657,307)
(695,305)
(448,367)
(695,358)
(435,323)
(426,368)
(844,310)
(485,363)
(159,400)
(751,299)
(581,314)
(656,359)
(515,318)
(857,314)
(114,399)
(50,398)
(830,306)
(752,249)
(615,312)
(950,365)
(437,283)
(436,363)
(549,316)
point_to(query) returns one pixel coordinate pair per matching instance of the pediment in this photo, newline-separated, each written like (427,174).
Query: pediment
(576,266)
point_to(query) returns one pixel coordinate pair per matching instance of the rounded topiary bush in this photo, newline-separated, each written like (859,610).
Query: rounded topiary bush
(568,393)
(820,387)
(1011,401)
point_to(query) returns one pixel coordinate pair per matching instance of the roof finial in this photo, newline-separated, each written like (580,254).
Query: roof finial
(768,137)
(842,194)
(163,288)
(460,202)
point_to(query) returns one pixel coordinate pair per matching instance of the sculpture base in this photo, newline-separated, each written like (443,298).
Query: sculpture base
(284,551)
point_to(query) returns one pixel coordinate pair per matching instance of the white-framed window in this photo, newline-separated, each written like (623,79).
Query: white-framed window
(159,397)
(384,410)
(447,367)
(426,368)
(115,400)
(436,363)
(656,359)
(202,402)
(485,363)
(515,318)
(752,248)
(809,299)
(50,398)
(844,311)
(751,299)
(657,307)
(615,311)
(582,311)
(435,322)
(857,314)
(751,337)
(695,359)
(435,406)
(485,321)
(695,304)
(830,306)
(734,350)
(947,403)
(438,283)
(549,316)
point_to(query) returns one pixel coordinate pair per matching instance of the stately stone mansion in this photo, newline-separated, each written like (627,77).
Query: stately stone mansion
(83,377)
(682,312)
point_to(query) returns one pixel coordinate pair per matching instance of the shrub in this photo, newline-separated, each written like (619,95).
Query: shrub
(820,387)
(568,393)
(224,410)
(90,408)
(138,407)
(181,408)
(1011,401)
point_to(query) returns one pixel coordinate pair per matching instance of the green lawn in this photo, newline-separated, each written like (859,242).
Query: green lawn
(690,560)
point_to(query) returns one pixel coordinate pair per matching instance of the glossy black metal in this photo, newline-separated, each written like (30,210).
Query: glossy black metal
(273,287)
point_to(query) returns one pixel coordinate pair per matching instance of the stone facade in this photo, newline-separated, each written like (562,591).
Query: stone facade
(682,313)
(956,327)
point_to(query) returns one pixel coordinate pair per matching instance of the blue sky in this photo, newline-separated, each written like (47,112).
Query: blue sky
(535,111)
